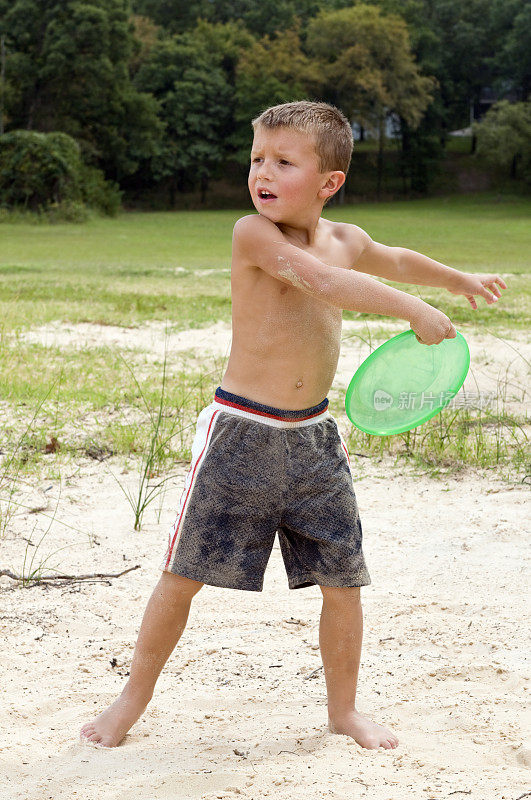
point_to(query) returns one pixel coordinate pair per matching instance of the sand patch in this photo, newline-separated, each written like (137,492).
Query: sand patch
(236,713)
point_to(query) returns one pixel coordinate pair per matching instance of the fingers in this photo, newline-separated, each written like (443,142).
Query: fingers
(488,296)
(490,283)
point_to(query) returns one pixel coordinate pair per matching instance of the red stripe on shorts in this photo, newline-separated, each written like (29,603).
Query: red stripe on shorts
(264,413)
(346,451)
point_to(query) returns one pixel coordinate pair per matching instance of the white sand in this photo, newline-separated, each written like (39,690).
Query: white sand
(235,713)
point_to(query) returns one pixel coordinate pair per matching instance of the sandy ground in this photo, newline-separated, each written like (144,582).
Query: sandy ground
(240,709)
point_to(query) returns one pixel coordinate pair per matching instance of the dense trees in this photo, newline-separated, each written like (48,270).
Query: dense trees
(161,92)
(67,70)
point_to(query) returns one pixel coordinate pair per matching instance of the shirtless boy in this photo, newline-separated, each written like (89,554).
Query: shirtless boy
(267,456)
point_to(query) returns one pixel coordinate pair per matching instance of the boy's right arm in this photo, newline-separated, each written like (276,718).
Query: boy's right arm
(259,242)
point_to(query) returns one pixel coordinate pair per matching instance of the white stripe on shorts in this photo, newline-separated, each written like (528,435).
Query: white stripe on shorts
(204,429)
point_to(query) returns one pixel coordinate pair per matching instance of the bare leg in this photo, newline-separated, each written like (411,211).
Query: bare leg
(340,637)
(164,621)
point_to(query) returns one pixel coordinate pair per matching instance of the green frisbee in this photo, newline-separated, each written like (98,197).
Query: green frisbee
(404,383)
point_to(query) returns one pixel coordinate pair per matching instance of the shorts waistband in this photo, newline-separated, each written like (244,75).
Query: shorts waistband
(276,417)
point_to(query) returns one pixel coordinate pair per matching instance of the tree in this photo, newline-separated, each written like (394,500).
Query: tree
(369,68)
(514,61)
(196,103)
(174,16)
(271,72)
(504,138)
(67,71)
(259,17)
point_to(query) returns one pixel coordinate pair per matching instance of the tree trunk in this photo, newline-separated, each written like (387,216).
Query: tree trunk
(171,188)
(379,174)
(406,148)
(513,165)
(204,187)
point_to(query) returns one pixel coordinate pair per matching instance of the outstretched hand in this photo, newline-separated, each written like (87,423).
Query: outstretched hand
(471,283)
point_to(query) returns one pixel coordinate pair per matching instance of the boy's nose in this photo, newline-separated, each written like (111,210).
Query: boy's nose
(263,171)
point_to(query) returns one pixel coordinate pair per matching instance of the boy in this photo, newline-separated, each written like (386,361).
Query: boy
(267,455)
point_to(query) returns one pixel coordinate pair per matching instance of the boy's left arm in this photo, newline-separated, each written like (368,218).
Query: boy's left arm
(407,266)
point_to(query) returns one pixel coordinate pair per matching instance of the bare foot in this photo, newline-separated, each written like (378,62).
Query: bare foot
(366,733)
(110,727)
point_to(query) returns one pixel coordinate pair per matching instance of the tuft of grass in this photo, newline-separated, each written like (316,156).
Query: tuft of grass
(163,426)
(12,464)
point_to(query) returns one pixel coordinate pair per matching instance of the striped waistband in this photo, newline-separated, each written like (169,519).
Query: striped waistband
(276,417)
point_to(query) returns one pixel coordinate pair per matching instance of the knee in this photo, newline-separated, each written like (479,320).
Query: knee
(180,585)
(341,594)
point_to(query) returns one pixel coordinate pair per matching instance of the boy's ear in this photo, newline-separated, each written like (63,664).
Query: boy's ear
(334,182)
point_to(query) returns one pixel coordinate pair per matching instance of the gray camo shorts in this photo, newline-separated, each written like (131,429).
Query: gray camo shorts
(257,471)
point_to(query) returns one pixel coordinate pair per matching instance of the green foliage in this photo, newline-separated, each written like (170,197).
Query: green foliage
(196,105)
(44,171)
(66,70)
(504,138)
(514,60)
(261,17)
(368,64)
(270,72)
(164,96)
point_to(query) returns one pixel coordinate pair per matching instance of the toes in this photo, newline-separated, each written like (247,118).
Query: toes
(88,728)
(393,743)
(103,743)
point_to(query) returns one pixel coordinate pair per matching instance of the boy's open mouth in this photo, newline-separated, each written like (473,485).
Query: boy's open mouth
(264,194)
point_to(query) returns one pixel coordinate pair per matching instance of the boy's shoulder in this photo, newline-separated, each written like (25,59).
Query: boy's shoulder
(348,232)
(252,225)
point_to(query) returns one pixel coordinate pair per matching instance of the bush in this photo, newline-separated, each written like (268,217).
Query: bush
(504,138)
(45,171)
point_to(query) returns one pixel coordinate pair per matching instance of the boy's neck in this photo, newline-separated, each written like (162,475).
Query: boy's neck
(303,232)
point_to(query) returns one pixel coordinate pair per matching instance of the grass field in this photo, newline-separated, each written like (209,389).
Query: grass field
(174,268)
(138,267)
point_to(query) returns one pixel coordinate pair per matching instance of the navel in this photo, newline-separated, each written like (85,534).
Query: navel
(299,384)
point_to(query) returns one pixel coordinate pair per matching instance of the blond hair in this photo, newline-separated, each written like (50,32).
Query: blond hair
(332,131)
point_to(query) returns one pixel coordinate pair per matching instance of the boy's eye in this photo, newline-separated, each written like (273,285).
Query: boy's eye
(282,160)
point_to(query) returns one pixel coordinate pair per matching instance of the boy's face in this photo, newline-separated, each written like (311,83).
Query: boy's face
(284,162)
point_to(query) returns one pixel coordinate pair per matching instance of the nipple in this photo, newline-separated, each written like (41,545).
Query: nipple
(299,384)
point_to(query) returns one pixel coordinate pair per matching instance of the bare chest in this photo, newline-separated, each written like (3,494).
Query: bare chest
(278,312)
